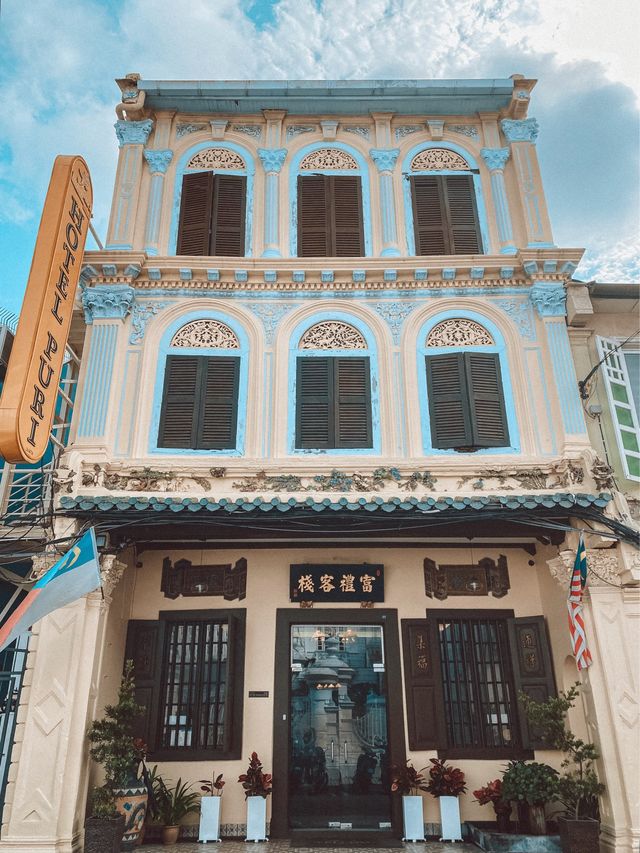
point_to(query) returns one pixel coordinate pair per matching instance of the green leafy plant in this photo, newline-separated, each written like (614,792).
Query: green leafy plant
(113,743)
(444,780)
(213,786)
(530,782)
(578,785)
(176,803)
(406,780)
(102,804)
(254,781)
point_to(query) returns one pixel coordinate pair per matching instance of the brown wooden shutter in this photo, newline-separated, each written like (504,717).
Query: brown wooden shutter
(145,647)
(313,216)
(486,401)
(218,406)
(196,207)
(347,225)
(532,668)
(448,405)
(353,402)
(234,687)
(429,218)
(178,418)
(314,403)
(423,685)
(462,215)
(228,228)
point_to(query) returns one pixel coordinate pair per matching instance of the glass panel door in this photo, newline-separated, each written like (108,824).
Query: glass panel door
(339,766)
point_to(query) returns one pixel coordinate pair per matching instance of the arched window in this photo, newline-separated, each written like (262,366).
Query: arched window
(203,388)
(215,183)
(331,196)
(463,364)
(442,211)
(333,401)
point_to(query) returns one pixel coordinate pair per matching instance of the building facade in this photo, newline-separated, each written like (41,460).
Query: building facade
(330,428)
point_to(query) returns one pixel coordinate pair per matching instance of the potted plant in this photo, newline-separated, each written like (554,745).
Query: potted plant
(578,785)
(104,827)
(210,808)
(114,746)
(492,793)
(174,804)
(257,787)
(534,784)
(407,781)
(446,783)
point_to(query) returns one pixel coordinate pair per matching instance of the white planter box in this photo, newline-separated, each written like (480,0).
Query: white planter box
(412,819)
(450,819)
(256,819)
(210,819)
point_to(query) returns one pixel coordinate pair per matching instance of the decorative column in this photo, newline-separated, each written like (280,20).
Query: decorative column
(522,136)
(495,160)
(105,308)
(49,773)
(610,685)
(385,160)
(549,301)
(158,162)
(272,160)
(132,136)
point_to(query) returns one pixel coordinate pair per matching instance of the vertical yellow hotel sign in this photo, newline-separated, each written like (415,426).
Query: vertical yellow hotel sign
(30,390)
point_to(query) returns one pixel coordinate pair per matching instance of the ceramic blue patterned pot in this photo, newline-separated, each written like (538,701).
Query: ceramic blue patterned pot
(131,801)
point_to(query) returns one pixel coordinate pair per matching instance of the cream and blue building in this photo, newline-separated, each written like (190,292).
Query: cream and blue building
(330,434)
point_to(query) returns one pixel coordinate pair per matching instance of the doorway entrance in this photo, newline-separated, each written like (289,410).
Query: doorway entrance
(338,726)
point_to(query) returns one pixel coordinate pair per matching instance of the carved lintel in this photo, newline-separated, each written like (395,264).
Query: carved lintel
(306,605)
(603,567)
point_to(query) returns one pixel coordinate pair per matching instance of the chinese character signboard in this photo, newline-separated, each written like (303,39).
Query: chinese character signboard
(359,582)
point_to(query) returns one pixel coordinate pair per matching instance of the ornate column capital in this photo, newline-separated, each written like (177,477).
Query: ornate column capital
(384,158)
(158,161)
(495,158)
(549,299)
(272,159)
(603,567)
(111,571)
(106,302)
(523,130)
(133,132)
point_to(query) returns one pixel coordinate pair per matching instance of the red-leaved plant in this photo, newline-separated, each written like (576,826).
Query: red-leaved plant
(444,780)
(406,780)
(254,781)
(213,786)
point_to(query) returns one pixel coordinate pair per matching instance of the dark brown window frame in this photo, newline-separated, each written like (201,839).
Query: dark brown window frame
(330,225)
(517,751)
(210,233)
(235,618)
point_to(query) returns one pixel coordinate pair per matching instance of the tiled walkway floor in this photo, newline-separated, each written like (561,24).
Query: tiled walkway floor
(281,846)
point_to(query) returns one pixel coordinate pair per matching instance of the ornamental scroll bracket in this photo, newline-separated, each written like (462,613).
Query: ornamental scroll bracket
(487,577)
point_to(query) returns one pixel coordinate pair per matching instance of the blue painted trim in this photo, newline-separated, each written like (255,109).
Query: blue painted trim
(477,185)
(547,402)
(363,172)
(181,170)
(165,349)
(131,366)
(371,352)
(565,376)
(500,348)
(97,384)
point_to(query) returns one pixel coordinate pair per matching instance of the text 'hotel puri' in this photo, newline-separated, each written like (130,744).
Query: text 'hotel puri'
(328,428)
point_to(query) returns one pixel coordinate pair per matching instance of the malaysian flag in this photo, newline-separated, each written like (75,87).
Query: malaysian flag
(574,605)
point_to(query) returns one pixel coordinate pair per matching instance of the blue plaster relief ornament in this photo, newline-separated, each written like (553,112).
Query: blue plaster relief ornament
(495,158)
(270,314)
(519,310)
(140,316)
(107,302)
(525,130)
(133,132)
(395,313)
(549,299)
(272,158)
(184,129)
(384,158)
(158,160)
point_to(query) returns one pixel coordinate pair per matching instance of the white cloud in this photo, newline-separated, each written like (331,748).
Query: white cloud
(618,262)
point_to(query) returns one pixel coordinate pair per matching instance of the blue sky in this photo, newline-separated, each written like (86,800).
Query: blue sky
(58,63)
